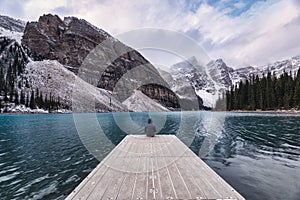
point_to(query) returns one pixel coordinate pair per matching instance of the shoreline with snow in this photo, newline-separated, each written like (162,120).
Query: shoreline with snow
(39,111)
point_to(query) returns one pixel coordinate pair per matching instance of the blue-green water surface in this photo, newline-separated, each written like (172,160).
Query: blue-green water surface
(42,155)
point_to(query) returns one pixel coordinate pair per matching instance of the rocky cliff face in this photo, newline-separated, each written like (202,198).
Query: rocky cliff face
(67,41)
(161,94)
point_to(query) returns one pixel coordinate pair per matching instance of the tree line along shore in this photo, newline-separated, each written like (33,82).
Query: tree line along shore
(268,93)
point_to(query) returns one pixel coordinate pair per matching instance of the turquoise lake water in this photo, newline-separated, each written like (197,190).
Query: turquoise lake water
(45,156)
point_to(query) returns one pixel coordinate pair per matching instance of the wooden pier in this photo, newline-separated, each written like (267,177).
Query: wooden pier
(160,167)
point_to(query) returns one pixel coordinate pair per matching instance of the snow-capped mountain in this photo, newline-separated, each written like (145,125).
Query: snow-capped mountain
(50,54)
(210,81)
(47,56)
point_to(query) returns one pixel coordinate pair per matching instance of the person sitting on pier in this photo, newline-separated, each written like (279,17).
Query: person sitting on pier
(150,129)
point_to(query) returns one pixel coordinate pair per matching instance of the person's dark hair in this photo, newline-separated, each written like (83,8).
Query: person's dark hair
(149,121)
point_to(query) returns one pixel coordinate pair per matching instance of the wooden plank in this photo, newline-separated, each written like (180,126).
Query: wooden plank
(140,147)
(179,183)
(157,152)
(141,176)
(222,188)
(160,167)
(206,191)
(118,180)
(154,186)
(88,184)
(113,173)
(132,167)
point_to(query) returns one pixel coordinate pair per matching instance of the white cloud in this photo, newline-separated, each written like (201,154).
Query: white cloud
(265,33)
(239,5)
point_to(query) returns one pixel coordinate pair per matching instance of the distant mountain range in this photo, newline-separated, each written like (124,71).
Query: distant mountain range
(212,80)
(49,56)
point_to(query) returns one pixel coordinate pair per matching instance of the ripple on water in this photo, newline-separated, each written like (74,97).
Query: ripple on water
(64,160)
(2,154)
(73,178)
(6,170)
(4,140)
(15,182)
(43,192)
(26,188)
(8,177)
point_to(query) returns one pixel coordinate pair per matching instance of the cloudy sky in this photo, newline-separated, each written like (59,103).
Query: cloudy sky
(242,32)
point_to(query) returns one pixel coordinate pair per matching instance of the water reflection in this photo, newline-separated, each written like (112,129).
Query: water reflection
(259,155)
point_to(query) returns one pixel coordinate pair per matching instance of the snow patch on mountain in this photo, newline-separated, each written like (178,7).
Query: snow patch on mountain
(209,99)
(139,102)
(50,77)
(11,34)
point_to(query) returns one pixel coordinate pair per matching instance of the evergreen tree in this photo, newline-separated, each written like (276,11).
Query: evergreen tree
(2,82)
(27,100)
(267,93)
(1,104)
(5,94)
(37,97)
(296,97)
(263,86)
(22,98)
(258,100)
(32,104)
(41,101)
(16,100)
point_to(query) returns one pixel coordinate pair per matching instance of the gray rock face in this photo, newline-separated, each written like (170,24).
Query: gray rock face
(161,94)
(67,41)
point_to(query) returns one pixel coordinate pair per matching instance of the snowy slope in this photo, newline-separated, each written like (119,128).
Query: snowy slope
(11,34)
(52,77)
(139,102)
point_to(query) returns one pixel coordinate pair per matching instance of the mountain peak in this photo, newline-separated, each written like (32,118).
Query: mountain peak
(219,60)
(69,41)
